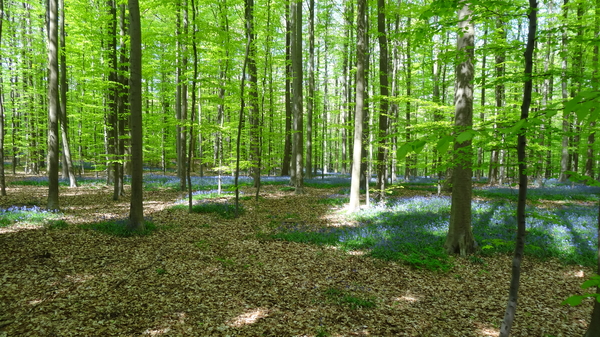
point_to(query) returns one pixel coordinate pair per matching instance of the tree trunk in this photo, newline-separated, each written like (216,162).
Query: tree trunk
(64,126)
(564,155)
(310,102)
(253,111)
(496,171)
(2,178)
(136,208)
(296,55)
(384,92)
(53,105)
(593,329)
(357,153)
(460,236)
(287,149)
(522,198)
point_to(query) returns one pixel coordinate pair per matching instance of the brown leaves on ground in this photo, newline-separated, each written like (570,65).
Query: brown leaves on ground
(207,276)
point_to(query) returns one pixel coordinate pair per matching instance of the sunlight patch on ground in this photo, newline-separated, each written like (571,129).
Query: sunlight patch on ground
(487,330)
(35,302)
(19,227)
(356,252)
(407,298)
(575,273)
(79,278)
(248,317)
(156,332)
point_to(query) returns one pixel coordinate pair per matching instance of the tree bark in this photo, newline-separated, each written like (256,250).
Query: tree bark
(53,105)
(253,111)
(64,126)
(310,102)
(287,149)
(521,157)
(357,154)
(565,153)
(384,92)
(296,55)
(460,236)
(2,178)
(136,208)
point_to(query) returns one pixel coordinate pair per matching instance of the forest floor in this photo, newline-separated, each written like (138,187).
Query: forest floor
(203,275)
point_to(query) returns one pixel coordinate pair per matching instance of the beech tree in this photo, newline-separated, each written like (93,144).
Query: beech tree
(522,160)
(361,45)
(136,208)
(53,105)
(460,235)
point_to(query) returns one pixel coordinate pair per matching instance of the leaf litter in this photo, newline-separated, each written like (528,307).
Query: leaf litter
(202,275)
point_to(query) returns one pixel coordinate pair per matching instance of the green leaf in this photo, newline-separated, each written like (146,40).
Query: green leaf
(592,282)
(403,151)
(518,126)
(443,144)
(418,146)
(573,300)
(464,136)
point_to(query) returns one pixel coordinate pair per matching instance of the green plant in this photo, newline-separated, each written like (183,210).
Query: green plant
(225,262)
(160,271)
(119,228)
(57,224)
(224,209)
(202,244)
(322,332)
(354,301)
(287,189)
(574,300)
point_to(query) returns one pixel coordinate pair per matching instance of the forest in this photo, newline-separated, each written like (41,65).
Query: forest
(299,168)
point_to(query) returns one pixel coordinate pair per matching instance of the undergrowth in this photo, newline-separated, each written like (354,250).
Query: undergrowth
(119,228)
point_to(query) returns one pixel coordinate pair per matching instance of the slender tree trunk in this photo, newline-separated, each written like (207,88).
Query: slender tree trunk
(2,178)
(479,171)
(287,149)
(53,105)
(410,158)
(565,153)
(296,55)
(522,198)
(64,128)
(593,329)
(240,126)
(361,48)
(497,155)
(460,235)
(253,113)
(311,88)
(384,92)
(136,208)
(590,158)
(193,113)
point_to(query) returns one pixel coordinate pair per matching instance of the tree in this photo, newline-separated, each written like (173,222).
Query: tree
(296,56)
(67,162)
(53,105)
(384,92)
(357,154)
(460,236)
(511,307)
(2,178)
(136,208)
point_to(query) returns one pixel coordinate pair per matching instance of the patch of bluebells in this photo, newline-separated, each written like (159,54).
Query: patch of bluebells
(559,192)
(417,224)
(25,214)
